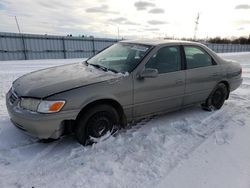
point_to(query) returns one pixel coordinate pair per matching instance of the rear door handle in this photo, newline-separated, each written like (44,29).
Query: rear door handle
(179,82)
(214,75)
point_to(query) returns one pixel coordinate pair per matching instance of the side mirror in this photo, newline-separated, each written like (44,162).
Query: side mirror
(149,73)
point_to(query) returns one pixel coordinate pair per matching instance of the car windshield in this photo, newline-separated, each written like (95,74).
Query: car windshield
(120,57)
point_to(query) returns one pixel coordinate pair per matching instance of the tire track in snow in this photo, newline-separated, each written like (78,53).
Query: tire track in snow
(141,157)
(174,150)
(41,155)
(218,122)
(180,146)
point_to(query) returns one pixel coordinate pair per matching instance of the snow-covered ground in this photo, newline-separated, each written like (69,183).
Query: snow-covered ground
(185,149)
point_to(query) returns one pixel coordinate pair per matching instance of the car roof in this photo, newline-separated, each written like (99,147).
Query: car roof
(156,42)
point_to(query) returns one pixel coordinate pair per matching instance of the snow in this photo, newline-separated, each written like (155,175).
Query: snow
(189,148)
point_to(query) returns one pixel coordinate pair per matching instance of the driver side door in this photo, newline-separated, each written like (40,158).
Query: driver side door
(164,92)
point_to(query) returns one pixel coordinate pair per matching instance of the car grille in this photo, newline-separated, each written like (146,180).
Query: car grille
(13,97)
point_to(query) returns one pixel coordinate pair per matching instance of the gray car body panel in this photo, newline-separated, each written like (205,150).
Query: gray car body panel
(53,80)
(80,86)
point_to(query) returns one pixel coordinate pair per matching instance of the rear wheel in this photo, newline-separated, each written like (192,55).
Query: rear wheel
(97,122)
(217,98)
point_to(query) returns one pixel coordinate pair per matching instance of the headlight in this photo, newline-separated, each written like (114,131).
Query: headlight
(29,104)
(41,106)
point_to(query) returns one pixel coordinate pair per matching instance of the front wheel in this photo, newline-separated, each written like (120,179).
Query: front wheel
(217,98)
(96,123)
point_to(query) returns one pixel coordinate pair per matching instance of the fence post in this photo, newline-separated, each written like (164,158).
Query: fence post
(24,47)
(64,48)
(93,45)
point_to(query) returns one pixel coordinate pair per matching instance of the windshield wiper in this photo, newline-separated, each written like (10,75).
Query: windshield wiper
(86,62)
(112,70)
(102,67)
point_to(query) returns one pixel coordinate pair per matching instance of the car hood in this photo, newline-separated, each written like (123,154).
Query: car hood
(53,80)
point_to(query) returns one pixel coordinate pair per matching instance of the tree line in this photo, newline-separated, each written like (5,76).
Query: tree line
(239,40)
(219,40)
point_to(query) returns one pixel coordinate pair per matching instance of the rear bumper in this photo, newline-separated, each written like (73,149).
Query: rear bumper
(235,83)
(39,125)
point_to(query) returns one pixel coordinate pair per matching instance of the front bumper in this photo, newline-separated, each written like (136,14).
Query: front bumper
(39,125)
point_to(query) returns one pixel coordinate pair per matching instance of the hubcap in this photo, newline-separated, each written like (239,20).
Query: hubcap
(217,97)
(99,125)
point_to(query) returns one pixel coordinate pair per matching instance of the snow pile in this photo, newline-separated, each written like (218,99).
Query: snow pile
(189,148)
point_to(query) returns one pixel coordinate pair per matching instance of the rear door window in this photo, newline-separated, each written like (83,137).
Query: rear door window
(196,57)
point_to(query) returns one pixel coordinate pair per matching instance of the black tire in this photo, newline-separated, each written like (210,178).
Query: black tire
(217,98)
(95,123)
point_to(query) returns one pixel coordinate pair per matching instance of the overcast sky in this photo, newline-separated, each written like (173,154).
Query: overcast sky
(135,19)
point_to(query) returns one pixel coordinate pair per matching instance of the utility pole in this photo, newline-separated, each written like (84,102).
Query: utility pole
(20,33)
(118,33)
(17,25)
(196,25)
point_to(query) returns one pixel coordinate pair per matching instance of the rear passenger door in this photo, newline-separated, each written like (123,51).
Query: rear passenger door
(202,74)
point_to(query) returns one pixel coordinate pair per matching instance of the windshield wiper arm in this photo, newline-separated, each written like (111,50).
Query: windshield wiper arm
(102,67)
(86,62)
(112,70)
(98,66)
